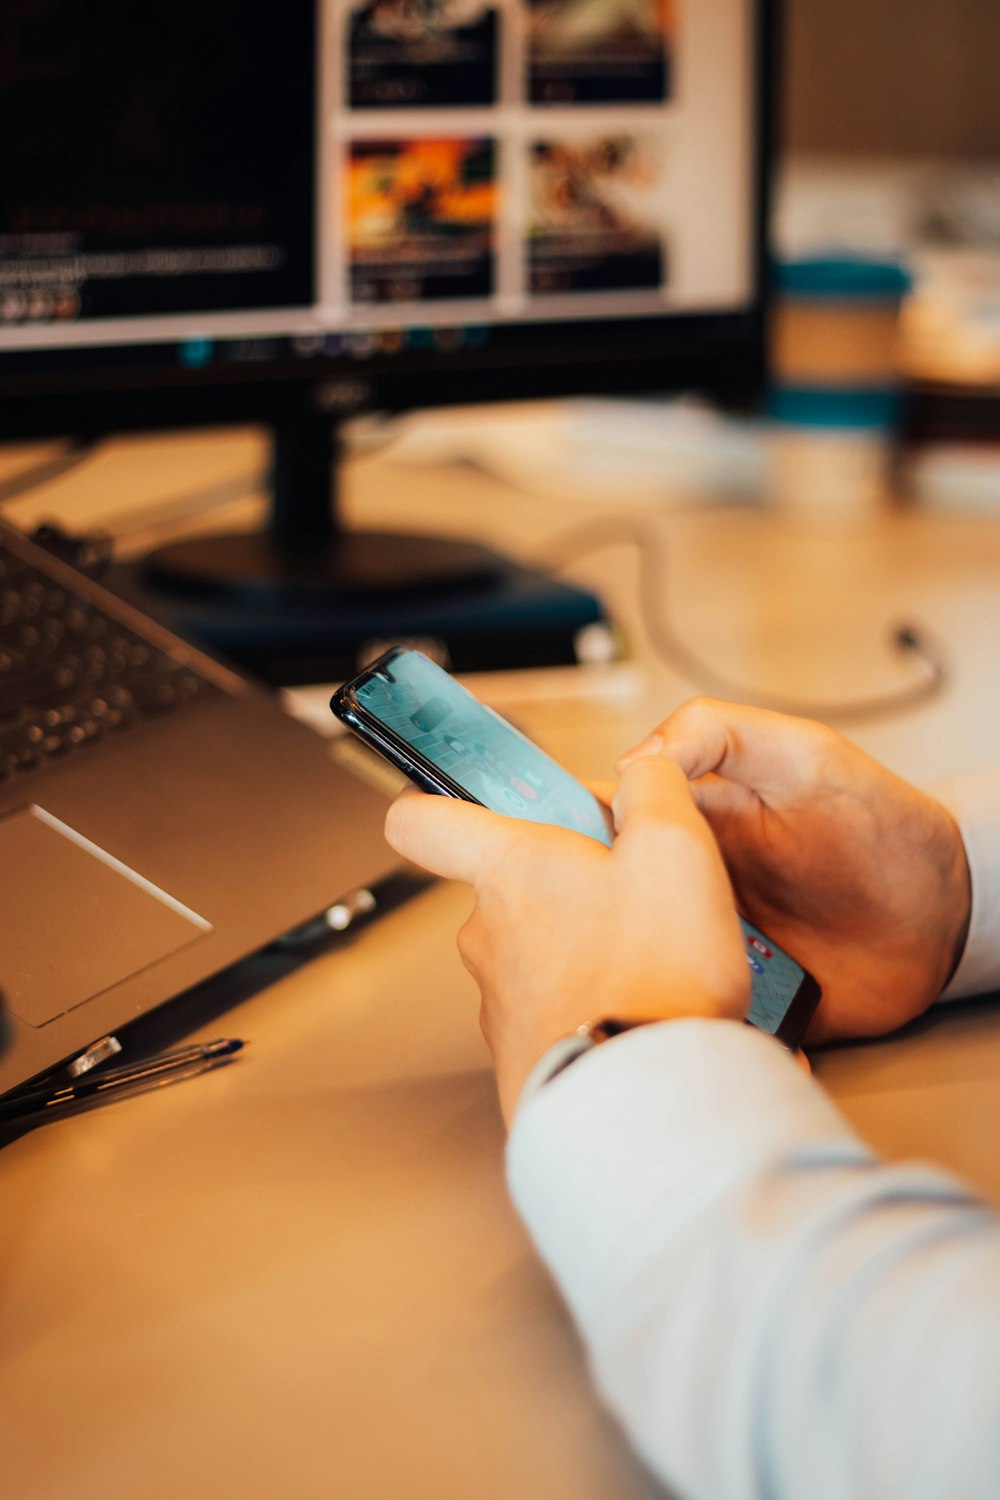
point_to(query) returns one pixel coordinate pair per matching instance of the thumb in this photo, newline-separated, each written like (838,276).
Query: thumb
(455,839)
(653,794)
(769,753)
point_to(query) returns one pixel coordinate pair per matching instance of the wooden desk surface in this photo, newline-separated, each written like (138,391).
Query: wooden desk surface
(301,1276)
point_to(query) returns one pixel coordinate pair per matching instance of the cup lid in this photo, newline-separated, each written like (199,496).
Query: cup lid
(851,278)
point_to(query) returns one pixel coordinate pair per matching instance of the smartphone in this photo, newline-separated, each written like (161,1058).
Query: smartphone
(428,726)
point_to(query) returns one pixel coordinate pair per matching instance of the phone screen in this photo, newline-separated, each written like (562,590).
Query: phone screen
(774,979)
(505,771)
(491,759)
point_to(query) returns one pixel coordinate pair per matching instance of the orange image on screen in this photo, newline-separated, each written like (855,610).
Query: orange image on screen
(400,191)
(421,218)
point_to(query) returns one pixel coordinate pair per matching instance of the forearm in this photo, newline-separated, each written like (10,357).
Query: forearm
(768,1310)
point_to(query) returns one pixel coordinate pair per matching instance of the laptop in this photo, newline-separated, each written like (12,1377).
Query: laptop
(160,816)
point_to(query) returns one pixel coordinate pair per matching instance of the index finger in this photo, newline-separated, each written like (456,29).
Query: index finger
(455,839)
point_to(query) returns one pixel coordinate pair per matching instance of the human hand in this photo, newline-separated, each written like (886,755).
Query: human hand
(565,930)
(861,877)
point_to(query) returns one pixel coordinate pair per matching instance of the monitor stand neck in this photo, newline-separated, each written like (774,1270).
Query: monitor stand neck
(305,468)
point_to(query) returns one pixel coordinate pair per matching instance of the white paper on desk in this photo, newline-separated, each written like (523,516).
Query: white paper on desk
(664,451)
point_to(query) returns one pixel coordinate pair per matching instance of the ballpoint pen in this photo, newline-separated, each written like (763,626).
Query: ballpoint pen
(137,1077)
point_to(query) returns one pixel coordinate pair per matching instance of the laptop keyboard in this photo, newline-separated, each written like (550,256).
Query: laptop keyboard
(71,675)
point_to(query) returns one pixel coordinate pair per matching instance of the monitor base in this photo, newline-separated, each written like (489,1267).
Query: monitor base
(252,569)
(500,617)
(307,600)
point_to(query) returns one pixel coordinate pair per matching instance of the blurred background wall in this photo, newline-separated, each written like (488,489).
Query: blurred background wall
(892,77)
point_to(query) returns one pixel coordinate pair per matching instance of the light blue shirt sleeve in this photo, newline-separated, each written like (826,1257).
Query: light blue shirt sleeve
(974,803)
(769,1311)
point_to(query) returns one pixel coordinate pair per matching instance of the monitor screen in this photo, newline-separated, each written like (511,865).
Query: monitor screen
(437,199)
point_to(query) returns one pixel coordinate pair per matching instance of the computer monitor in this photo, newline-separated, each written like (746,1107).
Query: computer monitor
(223,211)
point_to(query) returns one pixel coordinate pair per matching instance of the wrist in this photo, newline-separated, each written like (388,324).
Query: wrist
(537,1054)
(565,1050)
(588,1035)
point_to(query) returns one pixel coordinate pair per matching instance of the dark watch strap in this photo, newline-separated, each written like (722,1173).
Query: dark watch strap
(563,1053)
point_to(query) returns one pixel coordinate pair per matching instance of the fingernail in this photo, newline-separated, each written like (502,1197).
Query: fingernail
(651,745)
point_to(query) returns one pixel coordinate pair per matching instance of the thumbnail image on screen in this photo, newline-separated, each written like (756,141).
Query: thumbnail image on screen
(599,51)
(435,53)
(421,217)
(596,216)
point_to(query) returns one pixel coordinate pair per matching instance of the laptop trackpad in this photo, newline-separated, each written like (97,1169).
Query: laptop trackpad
(76,920)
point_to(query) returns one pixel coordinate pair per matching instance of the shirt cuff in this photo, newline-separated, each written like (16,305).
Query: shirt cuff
(974,803)
(646,1126)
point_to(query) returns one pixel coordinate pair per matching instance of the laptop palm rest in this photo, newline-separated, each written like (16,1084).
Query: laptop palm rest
(76,920)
